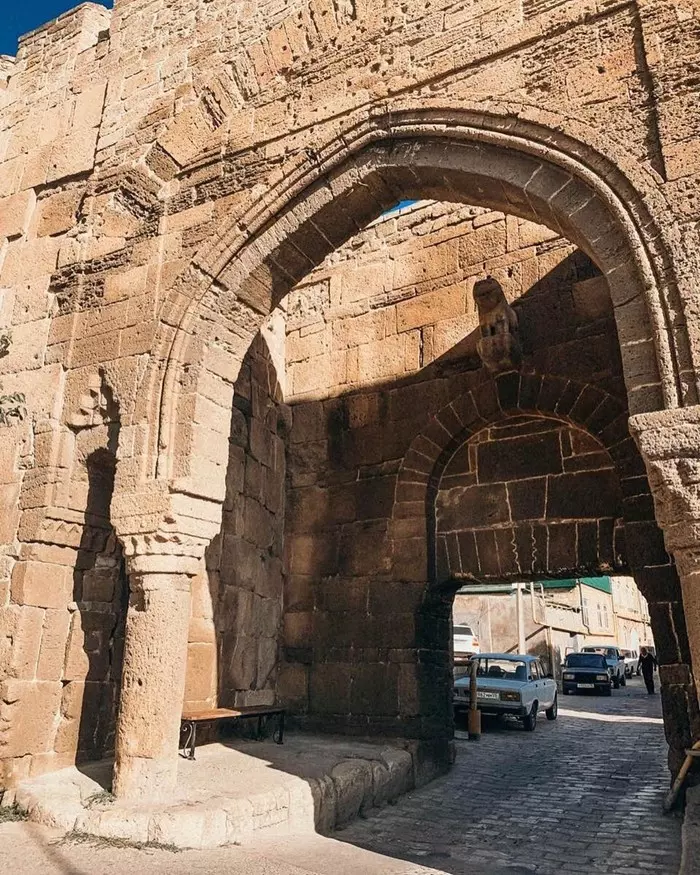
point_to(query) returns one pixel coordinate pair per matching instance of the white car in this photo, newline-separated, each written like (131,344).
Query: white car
(631,658)
(465,642)
(509,684)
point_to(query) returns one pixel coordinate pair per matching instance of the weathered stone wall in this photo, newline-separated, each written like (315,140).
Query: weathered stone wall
(525,497)
(62,632)
(347,558)
(234,637)
(399,299)
(169,172)
(360,619)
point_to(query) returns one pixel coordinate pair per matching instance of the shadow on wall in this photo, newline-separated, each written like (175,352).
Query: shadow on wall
(365,652)
(92,673)
(233,653)
(367,642)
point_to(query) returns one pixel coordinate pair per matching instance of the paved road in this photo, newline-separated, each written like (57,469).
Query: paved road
(579,796)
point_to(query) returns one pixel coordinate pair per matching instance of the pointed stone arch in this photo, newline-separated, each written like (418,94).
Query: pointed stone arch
(519,166)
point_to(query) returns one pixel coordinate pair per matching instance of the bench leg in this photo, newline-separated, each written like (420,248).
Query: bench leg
(278,735)
(190,727)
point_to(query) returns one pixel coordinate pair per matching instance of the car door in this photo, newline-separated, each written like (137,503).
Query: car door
(547,685)
(535,683)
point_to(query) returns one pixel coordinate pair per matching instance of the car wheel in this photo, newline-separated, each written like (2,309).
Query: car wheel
(553,711)
(623,681)
(607,691)
(530,721)
(616,681)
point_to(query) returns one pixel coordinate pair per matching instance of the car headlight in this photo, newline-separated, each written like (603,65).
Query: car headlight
(510,697)
(568,677)
(601,677)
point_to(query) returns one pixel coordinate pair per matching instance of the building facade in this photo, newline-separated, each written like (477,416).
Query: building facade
(558,616)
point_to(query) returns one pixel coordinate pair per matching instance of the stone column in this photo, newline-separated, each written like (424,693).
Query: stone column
(669,442)
(153,675)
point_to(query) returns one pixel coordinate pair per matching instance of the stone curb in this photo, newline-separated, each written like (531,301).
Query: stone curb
(690,836)
(64,800)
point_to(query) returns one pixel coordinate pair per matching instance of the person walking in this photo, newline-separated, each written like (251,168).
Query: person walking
(647,663)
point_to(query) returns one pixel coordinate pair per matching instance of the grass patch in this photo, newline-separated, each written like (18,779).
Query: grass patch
(84,838)
(104,797)
(10,813)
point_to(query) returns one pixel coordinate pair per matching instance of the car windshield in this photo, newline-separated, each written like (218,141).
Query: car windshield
(584,660)
(604,651)
(463,630)
(505,669)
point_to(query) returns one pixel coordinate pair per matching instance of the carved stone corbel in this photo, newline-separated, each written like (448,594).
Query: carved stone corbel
(96,406)
(499,341)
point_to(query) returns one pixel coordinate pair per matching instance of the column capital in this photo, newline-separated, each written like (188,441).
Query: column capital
(158,553)
(669,442)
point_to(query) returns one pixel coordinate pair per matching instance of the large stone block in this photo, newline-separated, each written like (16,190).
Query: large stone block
(42,584)
(52,653)
(201,677)
(20,639)
(57,213)
(473,506)
(15,213)
(329,688)
(28,713)
(72,154)
(293,686)
(589,494)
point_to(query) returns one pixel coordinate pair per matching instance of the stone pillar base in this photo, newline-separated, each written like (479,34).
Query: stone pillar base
(153,686)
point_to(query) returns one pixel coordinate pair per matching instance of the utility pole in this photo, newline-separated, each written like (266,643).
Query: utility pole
(474,720)
(520,617)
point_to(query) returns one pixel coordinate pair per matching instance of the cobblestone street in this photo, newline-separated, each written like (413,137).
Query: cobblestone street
(578,796)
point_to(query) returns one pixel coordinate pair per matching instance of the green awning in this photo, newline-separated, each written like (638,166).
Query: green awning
(602,583)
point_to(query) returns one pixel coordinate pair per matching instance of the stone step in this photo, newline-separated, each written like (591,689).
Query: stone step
(229,792)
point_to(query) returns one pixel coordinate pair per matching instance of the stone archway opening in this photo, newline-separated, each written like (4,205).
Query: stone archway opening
(531,534)
(344,560)
(251,266)
(350,681)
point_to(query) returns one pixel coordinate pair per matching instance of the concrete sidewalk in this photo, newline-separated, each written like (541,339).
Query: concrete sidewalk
(30,849)
(230,791)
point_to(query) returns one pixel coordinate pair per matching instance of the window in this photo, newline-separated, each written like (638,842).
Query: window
(508,669)
(585,660)
(534,674)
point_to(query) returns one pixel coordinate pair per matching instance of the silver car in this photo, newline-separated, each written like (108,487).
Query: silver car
(509,684)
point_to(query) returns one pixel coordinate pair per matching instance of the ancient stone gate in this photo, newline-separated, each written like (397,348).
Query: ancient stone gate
(170,172)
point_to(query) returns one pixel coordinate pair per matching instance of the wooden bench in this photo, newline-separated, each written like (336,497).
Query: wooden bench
(191,719)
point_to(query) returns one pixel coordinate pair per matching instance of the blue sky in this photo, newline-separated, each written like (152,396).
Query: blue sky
(20,16)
